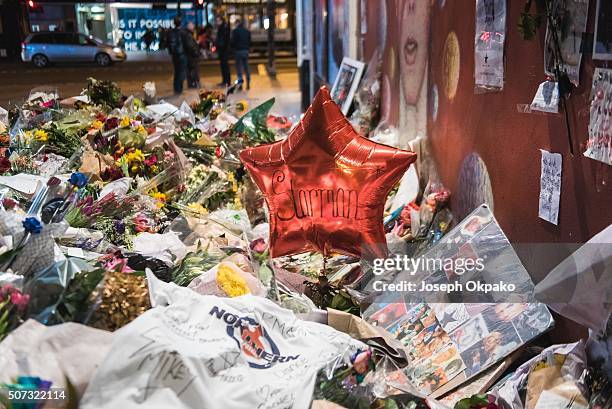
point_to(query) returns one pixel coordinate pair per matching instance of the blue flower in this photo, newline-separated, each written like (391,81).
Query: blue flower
(78,179)
(32,225)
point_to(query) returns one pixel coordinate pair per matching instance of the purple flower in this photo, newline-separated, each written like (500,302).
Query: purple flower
(32,225)
(119,226)
(78,179)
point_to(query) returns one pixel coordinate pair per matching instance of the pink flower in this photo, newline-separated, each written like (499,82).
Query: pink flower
(151,160)
(9,203)
(168,156)
(6,290)
(259,245)
(361,362)
(20,300)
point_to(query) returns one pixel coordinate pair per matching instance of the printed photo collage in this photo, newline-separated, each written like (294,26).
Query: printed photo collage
(444,340)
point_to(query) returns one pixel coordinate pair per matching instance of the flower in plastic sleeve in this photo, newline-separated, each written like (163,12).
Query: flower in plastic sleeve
(32,225)
(231,282)
(78,179)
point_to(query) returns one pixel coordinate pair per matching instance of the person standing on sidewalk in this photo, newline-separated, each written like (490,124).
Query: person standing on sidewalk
(176,48)
(193,55)
(148,37)
(241,42)
(222,43)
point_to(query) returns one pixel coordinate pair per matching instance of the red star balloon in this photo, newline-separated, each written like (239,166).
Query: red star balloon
(325,185)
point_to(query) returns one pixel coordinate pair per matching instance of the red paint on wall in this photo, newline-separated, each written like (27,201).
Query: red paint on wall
(509,141)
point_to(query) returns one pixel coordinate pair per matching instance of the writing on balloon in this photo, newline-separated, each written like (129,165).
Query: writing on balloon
(315,202)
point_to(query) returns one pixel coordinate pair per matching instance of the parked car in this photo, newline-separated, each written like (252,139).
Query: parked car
(42,48)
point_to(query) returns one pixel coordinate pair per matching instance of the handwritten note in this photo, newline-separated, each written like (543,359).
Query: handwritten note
(550,186)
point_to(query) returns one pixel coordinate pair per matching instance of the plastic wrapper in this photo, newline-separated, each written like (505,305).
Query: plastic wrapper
(67,351)
(39,250)
(241,351)
(579,287)
(367,380)
(166,247)
(243,282)
(47,286)
(386,134)
(234,220)
(14,280)
(552,379)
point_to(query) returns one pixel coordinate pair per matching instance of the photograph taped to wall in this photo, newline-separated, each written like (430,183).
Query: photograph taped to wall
(570,17)
(346,83)
(602,45)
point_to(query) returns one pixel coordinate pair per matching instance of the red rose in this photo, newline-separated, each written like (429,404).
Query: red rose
(5,165)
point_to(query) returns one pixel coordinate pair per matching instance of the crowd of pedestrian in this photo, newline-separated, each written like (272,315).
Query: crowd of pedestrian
(187,44)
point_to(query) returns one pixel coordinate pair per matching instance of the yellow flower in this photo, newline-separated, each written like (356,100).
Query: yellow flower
(135,155)
(197,208)
(242,105)
(141,130)
(231,282)
(125,122)
(237,203)
(27,136)
(161,198)
(41,135)
(97,125)
(232,179)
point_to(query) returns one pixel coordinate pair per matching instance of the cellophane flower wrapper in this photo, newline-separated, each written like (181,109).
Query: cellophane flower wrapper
(48,286)
(40,249)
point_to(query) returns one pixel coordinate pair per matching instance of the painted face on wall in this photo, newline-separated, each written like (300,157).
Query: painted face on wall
(414,46)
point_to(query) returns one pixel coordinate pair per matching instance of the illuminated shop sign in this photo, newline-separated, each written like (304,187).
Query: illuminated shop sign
(133,24)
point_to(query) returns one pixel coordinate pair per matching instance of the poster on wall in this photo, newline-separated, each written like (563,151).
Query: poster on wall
(599,144)
(602,46)
(550,186)
(489,41)
(570,17)
(346,83)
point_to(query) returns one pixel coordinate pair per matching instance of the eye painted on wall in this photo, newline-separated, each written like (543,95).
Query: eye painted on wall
(474,186)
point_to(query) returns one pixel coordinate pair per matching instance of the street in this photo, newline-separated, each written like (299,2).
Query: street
(17,79)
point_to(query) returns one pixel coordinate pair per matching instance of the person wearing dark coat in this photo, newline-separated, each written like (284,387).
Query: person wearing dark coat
(193,55)
(241,42)
(176,48)
(222,44)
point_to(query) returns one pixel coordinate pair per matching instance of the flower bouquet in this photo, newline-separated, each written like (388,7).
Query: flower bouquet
(104,93)
(13,306)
